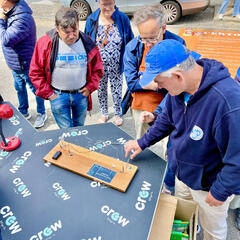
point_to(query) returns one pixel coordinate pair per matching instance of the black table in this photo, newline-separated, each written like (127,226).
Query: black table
(39,201)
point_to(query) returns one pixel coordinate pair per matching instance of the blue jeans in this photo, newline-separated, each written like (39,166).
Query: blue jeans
(21,78)
(236,7)
(69,110)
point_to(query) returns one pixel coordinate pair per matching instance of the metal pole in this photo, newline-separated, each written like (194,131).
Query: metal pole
(1,134)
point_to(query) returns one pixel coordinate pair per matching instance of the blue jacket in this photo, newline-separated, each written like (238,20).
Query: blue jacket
(18,36)
(205,134)
(123,25)
(132,60)
(161,106)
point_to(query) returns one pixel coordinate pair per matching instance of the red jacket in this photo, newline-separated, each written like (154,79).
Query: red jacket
(43,62)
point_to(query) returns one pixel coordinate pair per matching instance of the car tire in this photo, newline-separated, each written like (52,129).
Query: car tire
(82,8)
(173,11)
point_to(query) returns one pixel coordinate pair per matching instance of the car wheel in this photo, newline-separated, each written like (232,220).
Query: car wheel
(82,8)
(173,11)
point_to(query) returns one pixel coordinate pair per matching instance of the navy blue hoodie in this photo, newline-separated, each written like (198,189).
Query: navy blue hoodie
(205,134)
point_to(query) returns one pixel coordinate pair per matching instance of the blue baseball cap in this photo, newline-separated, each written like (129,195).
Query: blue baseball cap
(163,56)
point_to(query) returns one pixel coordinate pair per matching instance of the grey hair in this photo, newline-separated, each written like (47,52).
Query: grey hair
(145,13)
(66,17)
(184,66)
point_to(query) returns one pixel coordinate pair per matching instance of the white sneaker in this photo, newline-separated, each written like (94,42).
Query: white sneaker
(40,120)
(220,16)
(238,16)
(198,229)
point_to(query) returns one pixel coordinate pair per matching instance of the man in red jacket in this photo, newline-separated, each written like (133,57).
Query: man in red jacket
(66,68)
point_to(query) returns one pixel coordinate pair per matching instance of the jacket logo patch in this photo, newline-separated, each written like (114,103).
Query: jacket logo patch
(196,133)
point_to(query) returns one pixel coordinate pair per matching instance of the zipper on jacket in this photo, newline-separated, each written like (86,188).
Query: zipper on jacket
(20,63)
(185,109)
(177,168)
(185,114)
(185,134)
(185,120)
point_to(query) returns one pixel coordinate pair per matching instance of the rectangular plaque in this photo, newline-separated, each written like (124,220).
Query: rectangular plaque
(101,173)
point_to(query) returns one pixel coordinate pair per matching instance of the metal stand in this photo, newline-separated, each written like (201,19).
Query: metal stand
(1,134)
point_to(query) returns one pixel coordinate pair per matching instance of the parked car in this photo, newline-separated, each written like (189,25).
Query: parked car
(175,8)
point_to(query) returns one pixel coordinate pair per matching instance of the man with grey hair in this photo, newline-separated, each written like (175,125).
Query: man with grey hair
(202,114)
(151,24)
(66,68)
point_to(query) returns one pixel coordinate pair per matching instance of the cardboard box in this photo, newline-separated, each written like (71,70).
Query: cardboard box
(168,209)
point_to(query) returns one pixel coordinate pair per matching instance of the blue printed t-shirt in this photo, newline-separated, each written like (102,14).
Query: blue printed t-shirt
(70,70)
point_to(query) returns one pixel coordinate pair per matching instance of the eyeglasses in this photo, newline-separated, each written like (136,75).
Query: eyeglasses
(151,40)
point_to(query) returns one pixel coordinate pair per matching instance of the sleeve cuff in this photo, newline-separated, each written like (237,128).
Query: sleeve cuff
(219,196)
(51,96)
(141,144)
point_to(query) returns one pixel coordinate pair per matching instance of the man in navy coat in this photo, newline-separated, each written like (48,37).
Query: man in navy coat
(18,38)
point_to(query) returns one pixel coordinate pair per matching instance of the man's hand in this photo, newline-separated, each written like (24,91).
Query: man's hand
(132,145)
(151,86)
(53,97)
(2,15)
(85,92)
(147,117)
(213,202)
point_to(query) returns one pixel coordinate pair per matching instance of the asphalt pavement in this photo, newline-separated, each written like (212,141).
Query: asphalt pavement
(44,12)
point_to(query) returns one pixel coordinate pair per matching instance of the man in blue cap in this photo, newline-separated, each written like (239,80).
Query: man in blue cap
(202,114)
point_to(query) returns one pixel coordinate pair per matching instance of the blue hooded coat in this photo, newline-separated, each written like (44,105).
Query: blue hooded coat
(18,36)
(123,24)
(205,134)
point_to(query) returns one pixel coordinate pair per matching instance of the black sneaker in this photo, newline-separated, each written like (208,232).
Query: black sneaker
(27,115)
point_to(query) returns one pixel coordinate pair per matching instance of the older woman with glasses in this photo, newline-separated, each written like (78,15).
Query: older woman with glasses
(111,31)
(151,24)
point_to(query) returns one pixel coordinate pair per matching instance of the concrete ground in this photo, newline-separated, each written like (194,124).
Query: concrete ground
(44,12)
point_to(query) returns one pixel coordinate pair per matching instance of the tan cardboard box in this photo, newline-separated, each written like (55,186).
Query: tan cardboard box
(168,209)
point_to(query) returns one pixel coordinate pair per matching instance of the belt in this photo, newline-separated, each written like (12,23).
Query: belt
(68,91)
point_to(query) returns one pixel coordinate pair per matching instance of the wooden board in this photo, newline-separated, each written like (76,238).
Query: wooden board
(223,46)
(96,166)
